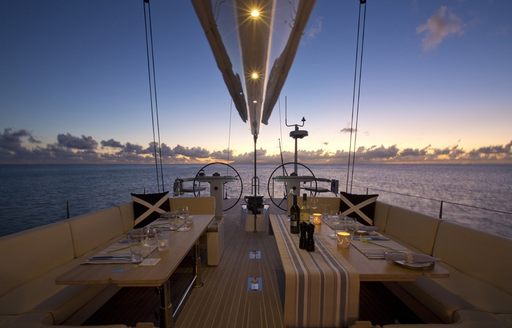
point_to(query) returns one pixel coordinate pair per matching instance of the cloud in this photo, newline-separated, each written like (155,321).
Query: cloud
(377,153)
(413,152)
(315,28)
(133,149)
(194,152)
(111,143)
(496,152)
(83,143)
(348,130)
(438,27)
(11,141)
(19,146)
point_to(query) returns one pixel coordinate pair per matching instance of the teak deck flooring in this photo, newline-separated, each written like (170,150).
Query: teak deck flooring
(225,299)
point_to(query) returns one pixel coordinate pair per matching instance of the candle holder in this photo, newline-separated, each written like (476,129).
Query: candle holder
(317,218)
(343,239)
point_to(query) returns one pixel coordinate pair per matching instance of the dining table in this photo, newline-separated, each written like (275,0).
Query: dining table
(154,271)
(322,287)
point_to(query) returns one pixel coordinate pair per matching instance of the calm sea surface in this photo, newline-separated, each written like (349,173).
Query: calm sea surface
(33,195)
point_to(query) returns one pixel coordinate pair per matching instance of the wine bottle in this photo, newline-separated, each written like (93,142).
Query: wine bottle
(304,209)
(294,214)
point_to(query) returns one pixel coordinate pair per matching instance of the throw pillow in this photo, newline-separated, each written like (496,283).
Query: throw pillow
(148,207)
(359,207)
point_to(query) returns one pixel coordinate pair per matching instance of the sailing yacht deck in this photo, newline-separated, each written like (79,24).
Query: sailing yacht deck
(225,299)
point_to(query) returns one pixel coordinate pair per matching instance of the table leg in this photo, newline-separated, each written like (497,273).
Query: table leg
(166,319)
(197,266)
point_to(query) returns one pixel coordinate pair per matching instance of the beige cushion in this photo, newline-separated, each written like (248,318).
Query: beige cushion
(480,294)
(29,320)
(327,204)
(196,205)
(381,215)
(42,289)
(127,216)
(41,320)
(465,318)
(92,230)
(436,298)
(413,228)
(506,318)
(476,253)
(30,254)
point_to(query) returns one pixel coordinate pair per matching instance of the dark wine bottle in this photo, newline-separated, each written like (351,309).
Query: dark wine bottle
(294,214)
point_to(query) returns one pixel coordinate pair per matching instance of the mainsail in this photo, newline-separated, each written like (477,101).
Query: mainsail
(254,44)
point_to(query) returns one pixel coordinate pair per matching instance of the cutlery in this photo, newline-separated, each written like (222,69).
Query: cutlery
(108,257)
(118,249)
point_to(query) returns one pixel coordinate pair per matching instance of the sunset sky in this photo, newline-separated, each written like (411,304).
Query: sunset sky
(436,83)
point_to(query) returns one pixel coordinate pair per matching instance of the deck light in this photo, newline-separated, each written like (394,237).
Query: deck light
(255,75)
(255,13)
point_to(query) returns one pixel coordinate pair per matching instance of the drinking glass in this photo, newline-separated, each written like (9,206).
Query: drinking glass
(162,239)
(150,239)
(136,238)
(313,204)
(350,225)
(187,222)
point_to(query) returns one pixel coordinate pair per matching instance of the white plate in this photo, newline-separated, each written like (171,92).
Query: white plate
(415,265)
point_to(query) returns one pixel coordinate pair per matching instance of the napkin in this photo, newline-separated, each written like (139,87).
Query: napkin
(409,257)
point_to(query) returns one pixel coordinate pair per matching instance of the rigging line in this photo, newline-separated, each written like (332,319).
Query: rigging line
(281,137)
(280,120)
(358,94)
(229,132)
(151,92)
(229,146)
(155,94)
(353,99)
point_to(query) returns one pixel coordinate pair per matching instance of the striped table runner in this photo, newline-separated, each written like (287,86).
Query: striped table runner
(321,287)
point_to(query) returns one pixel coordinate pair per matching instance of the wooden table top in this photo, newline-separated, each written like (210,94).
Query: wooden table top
(135,275)
(371,269)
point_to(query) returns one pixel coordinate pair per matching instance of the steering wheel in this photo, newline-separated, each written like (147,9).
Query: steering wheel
(285,168)
(202,172)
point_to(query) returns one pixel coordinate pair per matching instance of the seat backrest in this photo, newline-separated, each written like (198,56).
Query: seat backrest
(381,215)
(29,254)
(196,205)
(415,229)
(477,253)
(95,229)
(127,216)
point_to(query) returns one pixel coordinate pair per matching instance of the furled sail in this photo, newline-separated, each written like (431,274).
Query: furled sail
(254,43)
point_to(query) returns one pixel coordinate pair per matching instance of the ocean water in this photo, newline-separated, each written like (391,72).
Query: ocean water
(33,195)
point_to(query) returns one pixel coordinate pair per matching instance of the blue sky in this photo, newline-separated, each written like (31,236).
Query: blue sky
(437,81)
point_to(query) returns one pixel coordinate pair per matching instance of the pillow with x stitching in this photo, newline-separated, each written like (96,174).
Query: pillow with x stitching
(359,207)
(148,207)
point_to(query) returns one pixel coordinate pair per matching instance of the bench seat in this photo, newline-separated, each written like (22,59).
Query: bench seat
(29,295)
(479,265)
